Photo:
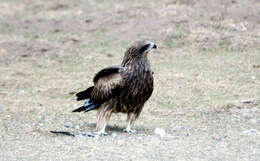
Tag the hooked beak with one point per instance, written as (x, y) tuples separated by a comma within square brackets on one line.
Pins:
[(152, 46), (148, 47)]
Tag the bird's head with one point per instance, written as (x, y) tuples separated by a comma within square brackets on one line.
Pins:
[(140, 48)]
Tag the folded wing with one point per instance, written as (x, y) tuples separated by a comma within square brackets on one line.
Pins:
[(108, 83)]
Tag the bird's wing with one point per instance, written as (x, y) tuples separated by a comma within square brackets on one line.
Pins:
[(108, 83)]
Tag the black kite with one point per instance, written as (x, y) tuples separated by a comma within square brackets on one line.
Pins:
[(122, 88)]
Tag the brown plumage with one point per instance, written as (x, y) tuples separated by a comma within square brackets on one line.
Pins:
[(122, 88)]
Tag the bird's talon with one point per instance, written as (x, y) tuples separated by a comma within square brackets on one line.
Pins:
[(129, 131), (101, 134), (104, 134)]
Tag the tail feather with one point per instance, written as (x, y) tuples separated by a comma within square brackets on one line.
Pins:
[(88, 106), (82, 108), (84, 94), (91, 108)]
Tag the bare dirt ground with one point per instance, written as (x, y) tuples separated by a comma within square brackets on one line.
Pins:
[(207, 78)]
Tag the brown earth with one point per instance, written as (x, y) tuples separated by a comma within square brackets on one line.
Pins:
[(207, 78)]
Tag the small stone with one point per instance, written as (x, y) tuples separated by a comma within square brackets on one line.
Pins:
[(114, 134), (72, 93), (88, 20), (68, 124), (12, 125), (1, 107), (109, 55), (175, 128), (249, 131), (77, 127), (90, 134), (143, 135), (254, 153), (253, 121), (204, 129), (80, 135), (161, 132)]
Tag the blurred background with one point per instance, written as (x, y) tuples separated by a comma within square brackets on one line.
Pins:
[(207, 78)]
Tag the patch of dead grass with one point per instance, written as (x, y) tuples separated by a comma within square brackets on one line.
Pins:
[(207, 59)]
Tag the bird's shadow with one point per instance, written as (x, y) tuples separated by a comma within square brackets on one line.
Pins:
[(63, 133), (109, 128), (120, 129), (91, 129)]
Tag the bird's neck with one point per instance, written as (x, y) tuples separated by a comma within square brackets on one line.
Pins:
[(138, 65), (135, 61)]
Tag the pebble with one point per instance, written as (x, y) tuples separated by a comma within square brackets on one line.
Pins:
[(175, 128), (88, 134), (12, 125), (41, 124), (249, 131), (1, 107), (79, 135), (41, 119), (204, 129), (68, 124), (114, 134), (77, 127), (253, 121), (159, 131)]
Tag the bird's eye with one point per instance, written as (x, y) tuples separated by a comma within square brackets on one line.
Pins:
[(145, 47)]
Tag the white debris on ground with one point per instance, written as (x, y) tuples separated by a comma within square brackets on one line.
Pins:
[(250, 131), (114, 134), (204, 128), (175, 128), (159, 131), (68, 125), (83, 134), (77, 127)]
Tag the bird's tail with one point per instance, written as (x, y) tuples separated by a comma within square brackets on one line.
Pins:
[(84, 94), (88, 106)]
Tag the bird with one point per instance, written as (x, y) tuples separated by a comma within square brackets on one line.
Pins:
[(121, 89)]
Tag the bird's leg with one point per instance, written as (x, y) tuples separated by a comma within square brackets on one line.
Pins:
[(128, 128), (102, 131), (103, 118), (131, 117)]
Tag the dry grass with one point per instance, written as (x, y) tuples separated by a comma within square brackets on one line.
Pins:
[(208, 59)]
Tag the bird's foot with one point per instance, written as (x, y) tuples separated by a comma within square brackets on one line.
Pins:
[(100, 134), (129, 131)]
